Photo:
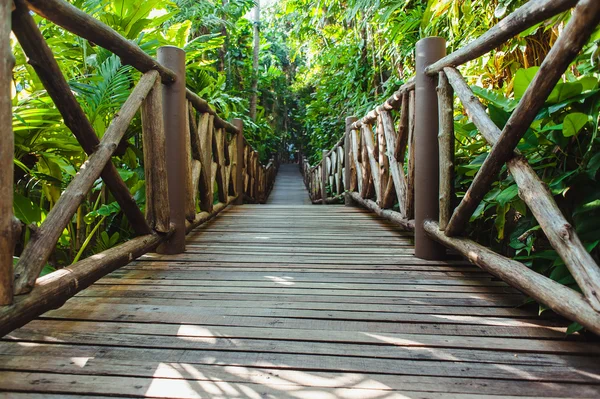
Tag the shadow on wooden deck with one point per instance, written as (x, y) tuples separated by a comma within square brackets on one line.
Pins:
[(288, 300)]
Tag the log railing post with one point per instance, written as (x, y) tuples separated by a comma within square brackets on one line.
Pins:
[(155, 161), (175, 119), (446, 143), (239, 168), (428, 51), (6, 157), (324, 178)]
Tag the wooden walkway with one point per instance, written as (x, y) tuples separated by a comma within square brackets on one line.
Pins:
[(290, 301)]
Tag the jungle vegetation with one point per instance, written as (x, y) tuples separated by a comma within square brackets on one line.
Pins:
[(319, 61)]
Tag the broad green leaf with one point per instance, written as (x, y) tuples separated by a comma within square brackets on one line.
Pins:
[(508, 194), (573, 123), (522, 79), (497, 99), (593, 166), (25, 210), (564, 91)]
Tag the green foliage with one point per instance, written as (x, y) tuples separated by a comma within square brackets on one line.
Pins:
[(47, 156), (354, 53), (320, 61)]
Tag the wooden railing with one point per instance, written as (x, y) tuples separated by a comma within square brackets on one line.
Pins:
[(188, 151), (409, 171)]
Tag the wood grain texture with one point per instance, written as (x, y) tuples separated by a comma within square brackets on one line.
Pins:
[(535, 193), (41, 245), (7, 62), (40, 57), (288, 300), (521, 19), (367, 134), (155, 162), (446, 145), (585, 18)]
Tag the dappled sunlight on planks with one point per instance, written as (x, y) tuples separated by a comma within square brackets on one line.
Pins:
[(298, 302)]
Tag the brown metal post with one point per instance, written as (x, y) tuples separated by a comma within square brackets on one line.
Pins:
[(6, 157), (347, 157), (175, 119), (428, 51), (239, 172), (324, 177)]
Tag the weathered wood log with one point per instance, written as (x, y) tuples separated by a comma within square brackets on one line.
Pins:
[(446, 143), (389, 195), (7, 62), (365, 167), (262, 184), (390, 215), (175, 119), (246, 171), (396, 169), (402, 141), (538, 198), (52, 290), (194, 139), (561, 299), (367, 133), (329, 201), (204, 217), (410, 185), (521, 19), (255, 172), (40, 57), (355, 158), (219, 156), (340, 171), (332, 168), (204, 108), (155, 163), (205, 133), (239, 162), (42, 243), (324, 178), (190, 193), (584, 21), (390, 104), (196, 176), (78, 22), (384, 165)]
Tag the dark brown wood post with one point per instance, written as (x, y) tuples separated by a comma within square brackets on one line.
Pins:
[(239, 168), (7, 62), (428, 51), (347, 157), (324, 178), (175, 120), (158, 213)]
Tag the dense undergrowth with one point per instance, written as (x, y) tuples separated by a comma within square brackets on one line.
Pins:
[(357, 53), (320, 61)]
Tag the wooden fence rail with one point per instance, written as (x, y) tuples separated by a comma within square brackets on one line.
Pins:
[(212, 160), (374, 161)]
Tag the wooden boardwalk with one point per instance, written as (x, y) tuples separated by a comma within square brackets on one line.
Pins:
[(288, 300)]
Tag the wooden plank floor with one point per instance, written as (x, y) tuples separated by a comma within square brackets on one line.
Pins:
[(297, 301)]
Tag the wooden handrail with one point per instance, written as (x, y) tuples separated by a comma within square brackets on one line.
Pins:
[(83, 25), (367, 171), (523, 18), (213, 160), (41, 58)]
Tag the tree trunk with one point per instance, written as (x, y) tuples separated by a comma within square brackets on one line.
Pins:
[(254, 94)]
